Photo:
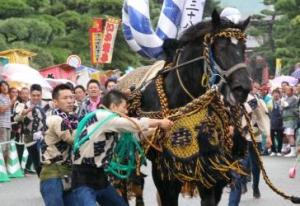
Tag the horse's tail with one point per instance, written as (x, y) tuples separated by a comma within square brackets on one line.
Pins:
[(293, 199)]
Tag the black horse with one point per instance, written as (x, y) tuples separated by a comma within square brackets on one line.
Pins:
[(226, 53)]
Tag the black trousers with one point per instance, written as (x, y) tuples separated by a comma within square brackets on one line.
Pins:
[(254, 165), (34, 154), (20, 151), (278, 135)]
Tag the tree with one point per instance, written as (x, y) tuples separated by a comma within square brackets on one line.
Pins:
[(210, 5), (30, 30), (37, 4), (58, 28), (14, 8), (54, 29), (71, 19), (280, 30)]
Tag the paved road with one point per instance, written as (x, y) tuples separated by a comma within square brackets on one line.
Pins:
[(25, 191)]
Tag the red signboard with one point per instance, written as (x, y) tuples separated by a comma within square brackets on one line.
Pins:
[(109, 36), (96, 36)]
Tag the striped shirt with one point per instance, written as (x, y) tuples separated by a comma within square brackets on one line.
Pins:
[(5, 121), (34, 121), (57, 143), (260, 120), (96, 152)]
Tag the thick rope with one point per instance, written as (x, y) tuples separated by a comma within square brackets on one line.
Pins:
[(128, 153), (293, 199), (180, 80)]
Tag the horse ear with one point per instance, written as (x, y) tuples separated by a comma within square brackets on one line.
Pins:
[(170, 46), (245, 23), (215, 16)]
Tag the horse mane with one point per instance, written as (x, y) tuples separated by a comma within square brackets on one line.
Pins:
[(195, 34), (200, 29), (196, 31)]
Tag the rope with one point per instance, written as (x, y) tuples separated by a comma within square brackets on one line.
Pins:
[(77, 141), (178, 66), (293, 199), (182, 85), (7, 142), (125, 151)]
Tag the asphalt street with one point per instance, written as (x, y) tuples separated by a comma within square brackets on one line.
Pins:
[(25, 191)]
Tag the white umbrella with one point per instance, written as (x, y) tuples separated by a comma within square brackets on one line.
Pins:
[(20, 75), (55, 82), (23, 74), (278, 80)]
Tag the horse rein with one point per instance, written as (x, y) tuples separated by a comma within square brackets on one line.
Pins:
[(223, 74)]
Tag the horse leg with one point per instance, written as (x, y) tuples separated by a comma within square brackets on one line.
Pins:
[(138, 188), (168, 189), (207, 196), (219, 190)]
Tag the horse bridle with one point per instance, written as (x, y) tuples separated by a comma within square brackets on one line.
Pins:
[(210, 64)]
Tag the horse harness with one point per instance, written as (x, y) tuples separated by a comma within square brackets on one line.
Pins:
[(181, 163), (135, 103), (209, 63), (182, 154)]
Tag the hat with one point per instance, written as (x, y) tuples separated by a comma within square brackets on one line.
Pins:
[(231, 14)]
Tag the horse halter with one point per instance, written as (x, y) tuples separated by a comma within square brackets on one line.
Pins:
[(215, 69), (210, 64)]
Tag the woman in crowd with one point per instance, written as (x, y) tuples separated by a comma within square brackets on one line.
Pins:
[(5, 117)]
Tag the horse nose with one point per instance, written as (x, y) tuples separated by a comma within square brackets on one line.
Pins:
[(241, 92)]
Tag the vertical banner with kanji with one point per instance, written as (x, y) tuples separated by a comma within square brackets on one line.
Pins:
[(109, 36), (96, 37), (192, 14)]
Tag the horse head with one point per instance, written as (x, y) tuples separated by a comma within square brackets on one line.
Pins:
[(221, 43)]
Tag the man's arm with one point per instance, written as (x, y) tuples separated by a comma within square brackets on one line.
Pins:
[(21, 112), (121, 124), (4, 108), (62, 132)]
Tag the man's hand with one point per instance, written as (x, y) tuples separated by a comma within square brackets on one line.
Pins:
[(231, 131), (26, 111), (268, 142), (165, 123), (4, 108), (13, 101)]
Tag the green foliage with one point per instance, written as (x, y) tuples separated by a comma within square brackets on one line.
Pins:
[(55, 29), (30, 30), (71, 19), (37, 4), (283, 31), (81, 6), (14, 8), (59, 54), (106, 7), (210, 5), (3, 45), (14, 29), (55, 8)]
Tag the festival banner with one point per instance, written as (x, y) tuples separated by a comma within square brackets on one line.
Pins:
[(96, 37), (278, 67), (109, 36), (191, 15)]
